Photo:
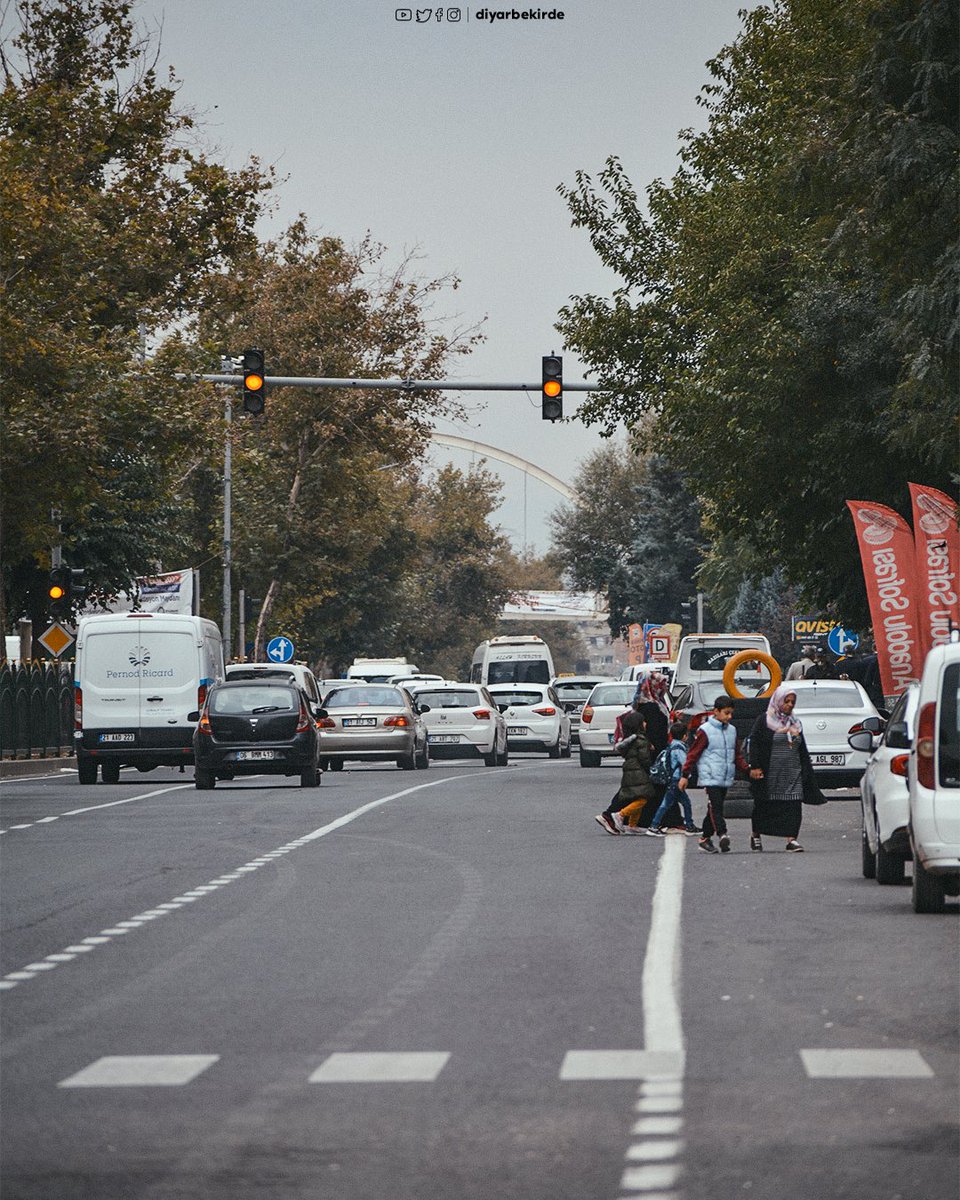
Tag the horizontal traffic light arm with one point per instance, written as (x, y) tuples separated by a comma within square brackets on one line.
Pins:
[(404, 385)]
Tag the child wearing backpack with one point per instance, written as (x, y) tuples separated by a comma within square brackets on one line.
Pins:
[(666, 771)]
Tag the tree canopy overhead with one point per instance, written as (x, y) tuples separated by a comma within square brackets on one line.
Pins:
[(788, 306)]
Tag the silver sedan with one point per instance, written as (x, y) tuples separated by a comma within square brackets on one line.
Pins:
[(372, 722)]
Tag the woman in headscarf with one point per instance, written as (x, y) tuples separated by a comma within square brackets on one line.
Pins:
[(653, 703), (781, 774)]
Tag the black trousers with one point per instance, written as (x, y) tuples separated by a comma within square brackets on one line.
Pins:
[(714, 821)]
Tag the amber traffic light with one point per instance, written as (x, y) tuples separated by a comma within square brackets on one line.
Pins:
[(551, 388), (253, 382)]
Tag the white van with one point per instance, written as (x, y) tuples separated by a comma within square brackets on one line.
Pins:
[(379, 670), (140, 679), (701, 660), (933, 782), (512, 660)]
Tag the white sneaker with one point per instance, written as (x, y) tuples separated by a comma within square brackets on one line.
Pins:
[(618, 821)]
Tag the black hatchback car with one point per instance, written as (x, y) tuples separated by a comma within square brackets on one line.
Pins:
[(256, 727)]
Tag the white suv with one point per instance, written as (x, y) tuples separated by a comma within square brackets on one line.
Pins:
[(933, 779)]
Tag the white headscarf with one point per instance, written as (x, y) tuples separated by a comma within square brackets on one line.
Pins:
[(780, 721)]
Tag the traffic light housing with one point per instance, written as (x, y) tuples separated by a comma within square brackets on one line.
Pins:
[(551, 388), (59, 590), (254, 388)]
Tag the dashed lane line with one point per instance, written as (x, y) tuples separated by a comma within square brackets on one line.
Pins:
[(105, 936), (76, 812)]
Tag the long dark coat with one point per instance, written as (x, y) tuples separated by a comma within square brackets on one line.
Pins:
[(777, 817)]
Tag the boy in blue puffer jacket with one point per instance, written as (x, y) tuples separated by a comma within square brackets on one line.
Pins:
[(717, 753), (677, 753)]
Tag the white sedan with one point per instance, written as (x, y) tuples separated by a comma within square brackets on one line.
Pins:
[(830, 710), (462, 721), (884, 834), (597, 721), (535, 718)]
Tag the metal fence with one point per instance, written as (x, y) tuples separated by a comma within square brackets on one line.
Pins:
[(36, 709)]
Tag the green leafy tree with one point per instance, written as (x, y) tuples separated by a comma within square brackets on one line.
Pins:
[(112, 223), (785, 330)]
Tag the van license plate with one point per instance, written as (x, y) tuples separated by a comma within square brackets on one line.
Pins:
[(828, 760), (249, 755), (118, 737)]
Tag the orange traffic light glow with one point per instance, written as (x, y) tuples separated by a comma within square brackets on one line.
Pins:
[(552, 388), (56, 592), (253, 383)]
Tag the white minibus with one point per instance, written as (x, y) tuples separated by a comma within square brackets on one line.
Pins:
[(525, 659)]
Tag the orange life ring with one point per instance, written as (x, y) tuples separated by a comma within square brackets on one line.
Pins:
[(730, 671)]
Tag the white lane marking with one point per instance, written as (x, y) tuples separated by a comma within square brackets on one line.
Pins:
[(662, 1022), (661, 1126), (865, 1064), (654, 1151), (398, 1067), (614, 1064), (76, 812), (105, 935), (141, 1070), (659, 1104), (652, 1175)]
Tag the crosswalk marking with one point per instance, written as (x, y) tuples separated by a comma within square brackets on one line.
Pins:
[(616, 1064), (400, 1067), (141, 1070), (865, 1064)]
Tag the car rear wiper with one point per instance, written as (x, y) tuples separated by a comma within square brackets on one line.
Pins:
[(269, 708)]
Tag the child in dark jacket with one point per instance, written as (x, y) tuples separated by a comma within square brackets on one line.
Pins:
[(623, 813)]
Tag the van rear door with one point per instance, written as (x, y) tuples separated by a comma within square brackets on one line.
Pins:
[(111, 677)]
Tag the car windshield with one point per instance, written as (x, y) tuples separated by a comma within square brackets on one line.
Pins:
[(521, 671), (265, 698), (465, 699), (365, 697), (574, 691), (620, 694), (517, 696), (828, 697)]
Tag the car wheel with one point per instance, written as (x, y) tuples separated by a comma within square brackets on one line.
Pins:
[(87, 770), (110, 772), (868, 861), (423, 758), (927, 890), (505, 756), (406, 762), (589, 758), (205, 780), (889, 866), (554, 751), (567, 751), (491, 759), (226, 775), (310, 777), (336, 764)]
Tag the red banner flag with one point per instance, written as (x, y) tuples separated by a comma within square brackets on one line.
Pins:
[(936, 538), (890, 573)]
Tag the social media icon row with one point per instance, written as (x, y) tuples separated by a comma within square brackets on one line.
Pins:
[(428, 14)]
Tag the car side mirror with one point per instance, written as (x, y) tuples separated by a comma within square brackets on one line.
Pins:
[(422, 708), (873, 724), (194, 716), (861, 740), (501, 708), (898, 736)]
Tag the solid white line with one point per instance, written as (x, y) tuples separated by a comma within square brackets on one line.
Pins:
[(662, 1023)]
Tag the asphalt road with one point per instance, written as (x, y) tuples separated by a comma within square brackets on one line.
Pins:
[(451, 984)]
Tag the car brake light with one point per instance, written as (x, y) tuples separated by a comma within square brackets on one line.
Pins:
[(898, 765), (547, 711), (204, 725), (326, 723), (201, 695), (587, 715), (77, 708), (482, 714), (926, 728), (303, 724), (399, 721)]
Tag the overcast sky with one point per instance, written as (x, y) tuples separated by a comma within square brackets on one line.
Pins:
[(450, 138)]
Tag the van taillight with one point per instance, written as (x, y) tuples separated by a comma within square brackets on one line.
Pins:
[(77, 707), (926, 744), (201, 695)]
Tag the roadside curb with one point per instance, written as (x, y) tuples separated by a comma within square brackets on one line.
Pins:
[(20, 768)]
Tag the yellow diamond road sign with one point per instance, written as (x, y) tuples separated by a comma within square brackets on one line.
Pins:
[(55, 639)]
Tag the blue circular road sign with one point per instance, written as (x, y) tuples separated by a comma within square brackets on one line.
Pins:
[(280, 649), (842, 641)]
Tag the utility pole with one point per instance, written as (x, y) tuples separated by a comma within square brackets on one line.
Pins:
[(699, 612), (226, 364)]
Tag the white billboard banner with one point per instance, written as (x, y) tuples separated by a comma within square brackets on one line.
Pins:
[(173, 592), (557, 606)]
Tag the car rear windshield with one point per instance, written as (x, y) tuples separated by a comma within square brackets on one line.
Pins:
[(448, 699), (521, 671), (365, 697), (518, 696), (574, 691), (949, 747), (712, 658), (829, 697), (614, 694), (252, 699)]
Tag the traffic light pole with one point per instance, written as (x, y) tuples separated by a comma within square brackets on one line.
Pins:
[(403, 385), (227, 513)]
